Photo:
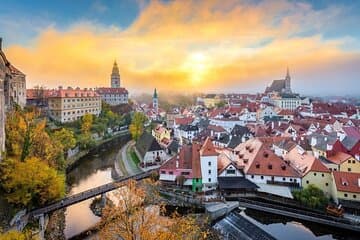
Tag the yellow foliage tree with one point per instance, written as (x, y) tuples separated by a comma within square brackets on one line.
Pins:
[(31, 183), (136, 127), (86, 124), (131, 219), (15, 235)]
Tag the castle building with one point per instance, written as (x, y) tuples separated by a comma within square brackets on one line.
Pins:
[(155, 102), (67, 105), (114, 95), (12, 91)]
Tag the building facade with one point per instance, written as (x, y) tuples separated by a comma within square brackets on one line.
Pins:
[(12, 91), (67, 105), (114, 96)]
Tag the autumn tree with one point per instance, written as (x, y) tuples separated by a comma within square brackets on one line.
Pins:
[(137, 125), (65, 138), (31, 183), (129, 218), (86, 123), (15, 235)]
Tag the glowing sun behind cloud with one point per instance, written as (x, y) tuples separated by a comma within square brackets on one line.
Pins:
[(197, 65)]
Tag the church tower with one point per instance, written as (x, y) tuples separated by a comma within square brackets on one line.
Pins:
[(115, 76), (287, 81), (155, 102)]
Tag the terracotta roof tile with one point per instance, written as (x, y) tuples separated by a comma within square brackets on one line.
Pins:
[(347, 181)]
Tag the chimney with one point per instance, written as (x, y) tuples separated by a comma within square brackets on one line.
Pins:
[(0, 43)]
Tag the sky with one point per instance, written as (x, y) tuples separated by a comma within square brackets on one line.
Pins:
[(186, 46)]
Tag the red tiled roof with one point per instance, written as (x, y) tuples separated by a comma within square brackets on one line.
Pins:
[(258, 159), (216, 128), (347, 181), (184, 120), (208, 148), (70, 93), (318, 166), (339, 157), (352, 132)]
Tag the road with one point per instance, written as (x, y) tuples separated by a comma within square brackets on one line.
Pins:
[(129, 164)]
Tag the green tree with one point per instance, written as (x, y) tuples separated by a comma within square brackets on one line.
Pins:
[(311, 196), (220, 104), (65, 138), (86, 123), (31, 183), (137, 125)]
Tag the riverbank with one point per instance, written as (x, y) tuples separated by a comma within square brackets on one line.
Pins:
[(72, 161)]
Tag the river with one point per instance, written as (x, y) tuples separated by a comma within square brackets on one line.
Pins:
[(97, 168)]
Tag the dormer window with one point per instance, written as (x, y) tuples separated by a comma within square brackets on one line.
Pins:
[(257, 165), (266, 154), (283, 166), (246, 160), (270, 166)]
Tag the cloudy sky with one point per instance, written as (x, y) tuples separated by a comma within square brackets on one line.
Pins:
[(212, 46)]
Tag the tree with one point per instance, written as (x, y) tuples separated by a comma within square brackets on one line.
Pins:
[(31, 183), (15, 235), (65, 138), (86, 123), (311, 196), (132, 219), (220, 104), (137, 125)]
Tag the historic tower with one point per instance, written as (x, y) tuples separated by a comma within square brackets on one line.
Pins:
[(287, 81), (115, 76), (155, 102)]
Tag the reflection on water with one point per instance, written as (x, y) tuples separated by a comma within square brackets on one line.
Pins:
[(92, 171), (287, 228)]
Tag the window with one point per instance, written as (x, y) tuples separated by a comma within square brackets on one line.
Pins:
[(171, 172), (262, 177), (307, 182), (323, 175), (209, 171), (185, 173), (326, 184), (354, 196), (163, 172), (252, 176), (349, 161), (349, 169), (283, 179), (209, 179), (209, 163), (345, 194), (230, 171), (314, 174)]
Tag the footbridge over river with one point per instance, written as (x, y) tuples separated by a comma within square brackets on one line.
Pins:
[(79, 197)]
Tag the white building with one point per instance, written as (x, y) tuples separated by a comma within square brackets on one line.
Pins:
[(67, 105), (208, 163), (114, 96)]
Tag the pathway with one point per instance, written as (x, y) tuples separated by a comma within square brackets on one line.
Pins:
[(129, 164)]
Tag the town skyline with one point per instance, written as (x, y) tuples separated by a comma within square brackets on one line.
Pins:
[(239, 46)]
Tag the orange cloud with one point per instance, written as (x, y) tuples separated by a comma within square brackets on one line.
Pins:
[(184, 46)]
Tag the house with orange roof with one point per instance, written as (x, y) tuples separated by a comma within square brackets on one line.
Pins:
[(263, 166), (345, 187), (311, 169), (340, 161), (161, 134), (195, 166)]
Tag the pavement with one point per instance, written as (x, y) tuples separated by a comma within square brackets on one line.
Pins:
[(129, 164)]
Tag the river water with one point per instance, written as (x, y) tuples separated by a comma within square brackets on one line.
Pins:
[(97, 168)]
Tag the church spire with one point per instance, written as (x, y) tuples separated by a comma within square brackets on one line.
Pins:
[(287, 72)]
